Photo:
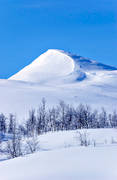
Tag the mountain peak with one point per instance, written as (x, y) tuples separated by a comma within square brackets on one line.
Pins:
[(50, 65), (59, 65)]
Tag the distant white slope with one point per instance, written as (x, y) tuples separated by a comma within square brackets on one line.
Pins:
[(19, 97), (58, 66), (62, 158), (50, 65)]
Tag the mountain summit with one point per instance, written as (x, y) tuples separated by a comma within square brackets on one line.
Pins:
[(51, 64), (59, 65)]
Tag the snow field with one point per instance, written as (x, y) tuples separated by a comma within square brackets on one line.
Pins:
[(62, 158)]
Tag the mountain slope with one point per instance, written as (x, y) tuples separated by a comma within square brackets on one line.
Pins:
[(50, 65), (59, 65), (57, 75)]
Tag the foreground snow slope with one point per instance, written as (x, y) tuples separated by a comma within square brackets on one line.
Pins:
[(65, 164), (57, 75), (61, 157)]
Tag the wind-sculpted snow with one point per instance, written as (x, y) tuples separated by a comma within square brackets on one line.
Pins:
[(88, 64)]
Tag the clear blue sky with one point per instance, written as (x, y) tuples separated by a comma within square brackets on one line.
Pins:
[(30, 27)]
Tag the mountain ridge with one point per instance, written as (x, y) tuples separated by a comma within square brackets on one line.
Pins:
[(58, 64)]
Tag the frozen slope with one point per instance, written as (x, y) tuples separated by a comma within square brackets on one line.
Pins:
[(57, 75)]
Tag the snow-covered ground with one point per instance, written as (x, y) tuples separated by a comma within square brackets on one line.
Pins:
[(62, 157)]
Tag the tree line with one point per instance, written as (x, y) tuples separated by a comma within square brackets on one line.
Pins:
[(61, 117)]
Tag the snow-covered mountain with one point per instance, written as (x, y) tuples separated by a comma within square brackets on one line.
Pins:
[(59, 65), (57, 75)]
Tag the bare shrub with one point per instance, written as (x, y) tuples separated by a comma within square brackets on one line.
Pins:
[(32, 144), (82, 138)]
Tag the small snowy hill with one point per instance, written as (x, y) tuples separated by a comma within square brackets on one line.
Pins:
[(57, 75)]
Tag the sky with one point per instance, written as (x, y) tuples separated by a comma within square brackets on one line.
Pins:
[(30, 27)]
